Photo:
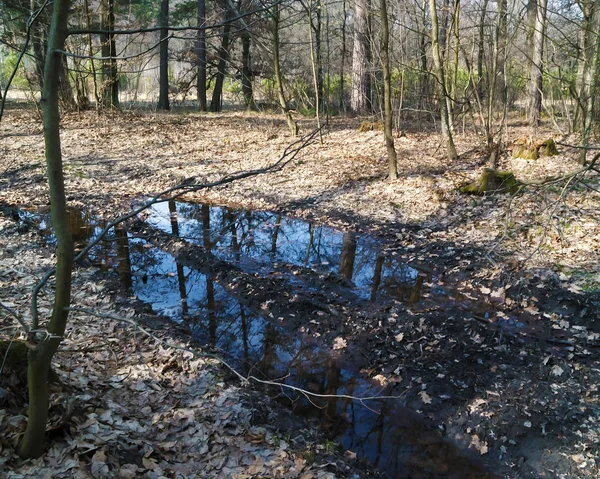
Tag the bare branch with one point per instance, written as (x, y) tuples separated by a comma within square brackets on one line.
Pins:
[(187, 186)]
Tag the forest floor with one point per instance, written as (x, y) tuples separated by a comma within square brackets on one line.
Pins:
[(505, 366)]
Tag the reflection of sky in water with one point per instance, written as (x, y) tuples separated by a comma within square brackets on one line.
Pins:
[(261, 347), (248, 237)]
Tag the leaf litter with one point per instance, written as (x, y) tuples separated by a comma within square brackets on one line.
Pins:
[(536, 411)]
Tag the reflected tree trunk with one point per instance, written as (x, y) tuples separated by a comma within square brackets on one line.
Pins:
[(245, 339), (210, 285), (235, 245), (348, 255), (275, 235), (123, 254), (180, 270), (377, 277)]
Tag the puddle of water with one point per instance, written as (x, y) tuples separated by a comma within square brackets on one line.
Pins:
[(392, 438), (263, 241)]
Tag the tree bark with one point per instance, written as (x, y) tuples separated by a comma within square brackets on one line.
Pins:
[(361, 89), (216, 103), (163, 95), (247, 75), (441, 83), (201, 56), (535, 82), (278, 75), (110, 79), (40, 355), (387, 92)]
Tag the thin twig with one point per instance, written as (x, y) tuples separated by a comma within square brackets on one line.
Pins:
[(187, 186), (241, 377)]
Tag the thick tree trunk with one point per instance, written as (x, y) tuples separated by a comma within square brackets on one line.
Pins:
[(216, 103), (163, 95), (201, 56), (535, 82), (110, 78), (40, 355), (387, 92), (360, 94), (441, 83), (247, 75)]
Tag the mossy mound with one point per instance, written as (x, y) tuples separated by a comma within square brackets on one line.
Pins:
[(370, 126), (529, 149), (492, 181), (547, 148)]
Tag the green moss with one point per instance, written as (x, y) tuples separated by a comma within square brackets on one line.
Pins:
[(492, 181), (525, 152), (370, 126), (547, 148)]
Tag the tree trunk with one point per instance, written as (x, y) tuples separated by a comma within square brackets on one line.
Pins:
[(216, 103), (590, 82), (441, 83), (201, 55), (387, 92), (535, 83), (481, 51), (361, 92), (348, 255), (247, 75), (163, 95), (342, 98), (65, 90), (278, 76), (40, 355), (110, 79), (314, 33)]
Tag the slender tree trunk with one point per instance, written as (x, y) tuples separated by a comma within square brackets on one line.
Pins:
[(46, 345), (441, 83), (163, 95), (216, 103), (201, 55), (88, 22), (278, 75), (535, 83), (360, 94), (481, 51), (591, 83), (65, 90), (342, 99), (502, 35), (387, 92), (315, 63)]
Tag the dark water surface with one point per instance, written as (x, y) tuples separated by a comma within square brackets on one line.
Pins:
[(391, 437)]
